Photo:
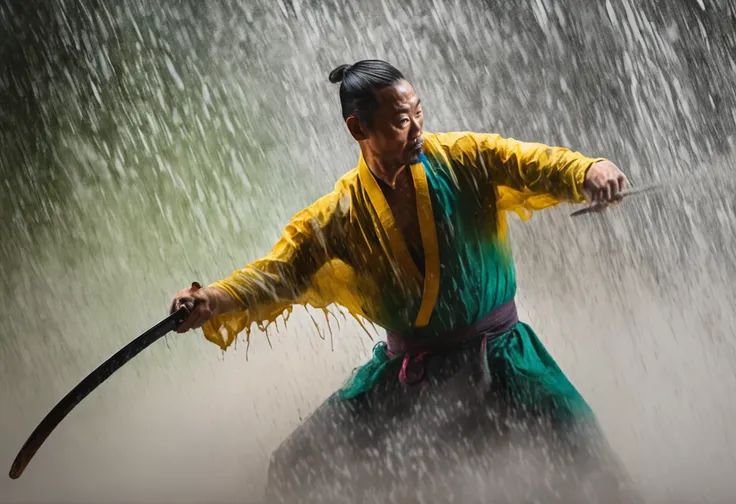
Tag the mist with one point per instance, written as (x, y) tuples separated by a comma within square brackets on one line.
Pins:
[(144, 146)]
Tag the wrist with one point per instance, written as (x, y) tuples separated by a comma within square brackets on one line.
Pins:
[(219, 301), (588, 185), (208, 297)]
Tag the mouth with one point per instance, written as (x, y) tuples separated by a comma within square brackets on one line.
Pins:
[(416, 146)]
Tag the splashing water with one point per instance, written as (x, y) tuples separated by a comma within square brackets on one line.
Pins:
[(144, 146)]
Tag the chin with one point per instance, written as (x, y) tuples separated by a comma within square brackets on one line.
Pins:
[(415, 156)]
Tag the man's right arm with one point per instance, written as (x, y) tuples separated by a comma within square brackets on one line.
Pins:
[(263, 289)]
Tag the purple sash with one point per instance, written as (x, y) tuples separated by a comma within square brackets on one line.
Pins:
[(496, 322)]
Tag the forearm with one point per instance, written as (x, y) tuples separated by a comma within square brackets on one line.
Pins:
[(265, 282), (263, 289), (538, 168), (222, 300)]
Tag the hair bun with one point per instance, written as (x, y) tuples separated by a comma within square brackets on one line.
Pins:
[(338, 73)]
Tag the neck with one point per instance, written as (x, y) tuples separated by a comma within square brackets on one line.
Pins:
[(385, 172)]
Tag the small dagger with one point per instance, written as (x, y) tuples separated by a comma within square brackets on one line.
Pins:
[(597, 207)]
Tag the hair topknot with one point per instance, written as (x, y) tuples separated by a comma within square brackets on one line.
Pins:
[(338, 74), (359, 83)]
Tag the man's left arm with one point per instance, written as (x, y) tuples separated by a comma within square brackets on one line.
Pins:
[(540, 169)]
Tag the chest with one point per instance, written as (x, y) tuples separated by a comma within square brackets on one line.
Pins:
[(402, 201)]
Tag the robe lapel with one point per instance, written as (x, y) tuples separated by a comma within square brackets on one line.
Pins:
[(397, 244)]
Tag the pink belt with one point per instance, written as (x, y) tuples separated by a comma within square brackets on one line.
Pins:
[(498, 321)]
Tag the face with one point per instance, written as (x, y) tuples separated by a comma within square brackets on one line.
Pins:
[(395, 136)]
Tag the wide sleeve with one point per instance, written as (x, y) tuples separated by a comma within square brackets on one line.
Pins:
[(527, 176), (272, 284)]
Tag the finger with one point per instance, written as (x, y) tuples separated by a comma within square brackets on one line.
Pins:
[(197, 319), (200, 317), (184, 326), (622, 182), (187, 324), (607, 191), (601, 196), (178, 302), (614, 189), (188, 303)]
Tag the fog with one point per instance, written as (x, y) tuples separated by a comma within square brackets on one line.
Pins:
[(144, 146)]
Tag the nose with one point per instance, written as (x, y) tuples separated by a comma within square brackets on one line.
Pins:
[(416, 130)]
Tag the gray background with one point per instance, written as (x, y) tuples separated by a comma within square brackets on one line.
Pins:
[(148, 144)]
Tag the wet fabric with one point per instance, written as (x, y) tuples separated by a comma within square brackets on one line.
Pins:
[(413, 351), (529, 437), (531, 377), (346, 250)]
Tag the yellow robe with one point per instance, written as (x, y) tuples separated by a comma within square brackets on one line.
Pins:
[(345, 249)]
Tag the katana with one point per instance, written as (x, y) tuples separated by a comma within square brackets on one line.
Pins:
[(91, 382)]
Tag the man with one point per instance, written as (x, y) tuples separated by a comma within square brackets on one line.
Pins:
[(414, 239)]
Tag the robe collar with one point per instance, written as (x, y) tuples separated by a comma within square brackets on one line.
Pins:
[(397, 243)]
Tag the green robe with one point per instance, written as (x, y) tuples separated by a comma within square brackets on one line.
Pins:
[(347, 250)]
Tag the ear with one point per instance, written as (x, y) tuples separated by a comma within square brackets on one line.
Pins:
[(356, 128)]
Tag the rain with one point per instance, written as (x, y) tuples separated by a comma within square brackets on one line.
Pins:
[(146, 145)]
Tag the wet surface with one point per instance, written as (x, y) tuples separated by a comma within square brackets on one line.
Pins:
[(144, 146)]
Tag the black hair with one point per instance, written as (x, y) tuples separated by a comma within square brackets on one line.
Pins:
[(358, 83)]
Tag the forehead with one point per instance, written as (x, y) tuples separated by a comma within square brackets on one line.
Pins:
[(397, 97)]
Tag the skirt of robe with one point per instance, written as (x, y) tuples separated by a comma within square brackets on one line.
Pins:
[(525, 435)]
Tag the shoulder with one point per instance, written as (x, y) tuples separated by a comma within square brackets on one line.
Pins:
[(464, 148), (347, 182), (460, 143), (333, 204)]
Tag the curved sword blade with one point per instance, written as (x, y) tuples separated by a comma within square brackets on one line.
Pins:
[(88, 384)]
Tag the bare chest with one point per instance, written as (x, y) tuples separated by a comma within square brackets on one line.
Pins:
[(403, 203)]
